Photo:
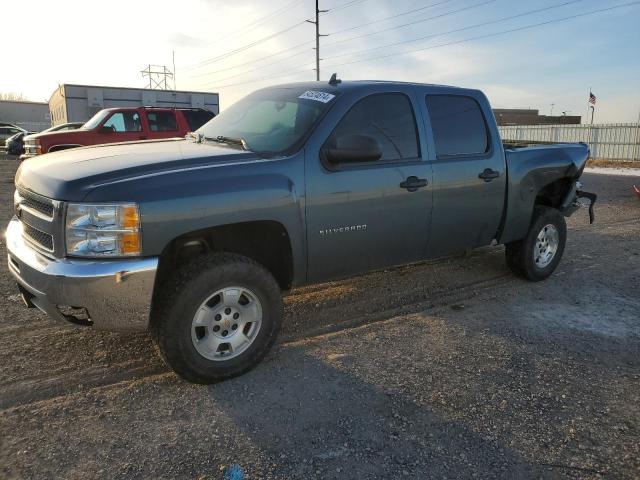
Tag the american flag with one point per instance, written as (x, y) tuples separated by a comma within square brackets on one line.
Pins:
[(592, 98)]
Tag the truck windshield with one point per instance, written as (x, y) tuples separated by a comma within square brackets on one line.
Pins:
[(273, 121), (94, 121)]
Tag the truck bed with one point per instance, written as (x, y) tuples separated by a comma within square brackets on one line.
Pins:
[(531, 168), (515, 144)]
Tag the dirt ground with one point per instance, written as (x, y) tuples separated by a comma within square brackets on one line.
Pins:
[(449, 369)]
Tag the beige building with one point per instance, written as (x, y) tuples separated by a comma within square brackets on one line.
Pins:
[(78, 103)]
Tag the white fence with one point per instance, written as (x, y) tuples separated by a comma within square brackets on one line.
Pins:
[(615, 141)]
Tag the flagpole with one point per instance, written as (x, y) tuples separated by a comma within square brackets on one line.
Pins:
[(586, 118)]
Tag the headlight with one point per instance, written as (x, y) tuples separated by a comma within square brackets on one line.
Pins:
[(103, 230)]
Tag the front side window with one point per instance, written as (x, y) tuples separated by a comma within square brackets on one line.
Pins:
[(272, 121), (388, 118), (162, 121), (94, 121), (124, 122), (458, 125)]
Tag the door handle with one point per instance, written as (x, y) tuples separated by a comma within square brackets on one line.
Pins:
[(413, 183), (143, 137), (487, 175)]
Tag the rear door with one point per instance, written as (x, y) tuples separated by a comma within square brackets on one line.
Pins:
[(469, 173), (162, 123), (363, 216)]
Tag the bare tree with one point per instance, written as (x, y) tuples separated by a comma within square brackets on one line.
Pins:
[(17, 97)]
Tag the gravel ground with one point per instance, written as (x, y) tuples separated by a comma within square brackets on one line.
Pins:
[(447, 369)]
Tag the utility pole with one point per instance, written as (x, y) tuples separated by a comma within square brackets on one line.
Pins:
[(318, 35), (173, 58), (157, 78), (552, 105)]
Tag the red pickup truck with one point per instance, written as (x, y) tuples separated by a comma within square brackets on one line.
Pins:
[(113, 125)]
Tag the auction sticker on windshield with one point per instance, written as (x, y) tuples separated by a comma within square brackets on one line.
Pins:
[(323, 97)]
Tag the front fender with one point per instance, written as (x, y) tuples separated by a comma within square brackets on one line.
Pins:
[(172, 205)]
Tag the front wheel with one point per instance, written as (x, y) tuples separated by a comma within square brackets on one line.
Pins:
[(537, 255), (217, 318)]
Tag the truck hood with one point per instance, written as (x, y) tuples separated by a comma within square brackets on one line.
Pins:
[(72, 174), (54, 138)]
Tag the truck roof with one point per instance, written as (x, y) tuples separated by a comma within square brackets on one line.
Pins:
[(155, 107), (360, 84)]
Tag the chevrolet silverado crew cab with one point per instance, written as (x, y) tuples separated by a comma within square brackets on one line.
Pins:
[(113, 125), (195, 239)]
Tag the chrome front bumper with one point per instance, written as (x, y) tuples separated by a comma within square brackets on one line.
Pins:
[(115, 293)]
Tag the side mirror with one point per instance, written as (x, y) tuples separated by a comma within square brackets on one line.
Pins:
[(353, 149), (104, 129)]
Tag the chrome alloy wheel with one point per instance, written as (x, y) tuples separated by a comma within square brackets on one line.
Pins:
[(546, 246), (226, 323)]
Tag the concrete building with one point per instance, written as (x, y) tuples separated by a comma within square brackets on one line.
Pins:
[(78, 103), (32, 116), (527, 116)]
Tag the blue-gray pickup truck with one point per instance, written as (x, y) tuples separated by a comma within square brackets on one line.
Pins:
[(195, 239)]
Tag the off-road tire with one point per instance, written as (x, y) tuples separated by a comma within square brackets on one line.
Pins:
[(183, 293), (520, 254)]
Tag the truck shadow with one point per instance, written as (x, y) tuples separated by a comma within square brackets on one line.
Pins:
[(314, 420)]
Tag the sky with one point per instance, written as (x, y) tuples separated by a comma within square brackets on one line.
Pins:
[(236, 47)]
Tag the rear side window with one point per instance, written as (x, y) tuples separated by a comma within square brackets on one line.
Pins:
[(388, 118), (197, 118), (458, 125), (162, 121)]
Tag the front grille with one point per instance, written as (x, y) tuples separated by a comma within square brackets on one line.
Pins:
[(35, 202), (40, 238)]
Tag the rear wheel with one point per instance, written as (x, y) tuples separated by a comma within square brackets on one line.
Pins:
[(217, 318), (536, 256)]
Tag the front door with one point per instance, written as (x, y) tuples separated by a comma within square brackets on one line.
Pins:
[(125, 126), (363, 216)]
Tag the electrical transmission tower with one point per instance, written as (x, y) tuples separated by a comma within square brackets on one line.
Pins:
[(158, 75), (318, 35)]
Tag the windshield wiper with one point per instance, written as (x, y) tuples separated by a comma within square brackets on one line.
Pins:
[(231, 141)]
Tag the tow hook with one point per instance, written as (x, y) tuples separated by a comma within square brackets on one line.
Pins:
[(592, 200)]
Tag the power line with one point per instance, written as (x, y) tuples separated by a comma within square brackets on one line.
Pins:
[(248, 46), (434, 35), (343, 6), (261, 20), (469, 7), (260, 60), (285, 74), (495, 34), (248, 26), (344, 30), (258, 21), (348, 4), (391, 17), (466, 40), (259, 67)]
